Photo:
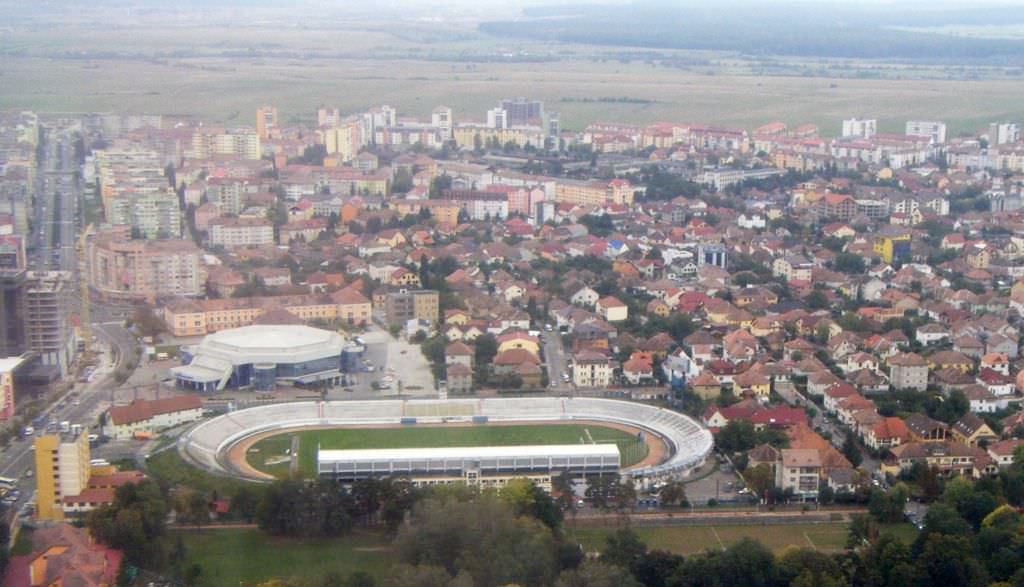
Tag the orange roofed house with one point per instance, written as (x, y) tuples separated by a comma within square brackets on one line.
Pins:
[(64, 556)]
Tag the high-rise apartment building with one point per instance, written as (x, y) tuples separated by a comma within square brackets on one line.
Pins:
[(934, 131), (860, 128), (119, 268), (497, 118), (62, 470), (442, 118), (7, 367), (266, 122), (522, 111), (12, 295), (208, 141), (1002, 133), (48, 330)]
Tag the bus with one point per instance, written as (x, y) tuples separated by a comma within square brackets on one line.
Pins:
[(8, 483)]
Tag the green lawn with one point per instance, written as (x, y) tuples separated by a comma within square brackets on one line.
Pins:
[(168, 466), (430, 437), (244, 556), (827, 537)]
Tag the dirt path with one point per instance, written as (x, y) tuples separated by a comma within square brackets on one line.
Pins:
[(657, 450)]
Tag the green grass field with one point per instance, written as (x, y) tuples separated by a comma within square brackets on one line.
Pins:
[(230, 556), (246, 556), (828, 537), (431, 437)]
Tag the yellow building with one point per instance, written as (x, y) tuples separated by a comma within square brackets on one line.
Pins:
[(443, 211), (62, 469), (470, 137), (342, 140), (892, 248), (266, 122), (616, 191)]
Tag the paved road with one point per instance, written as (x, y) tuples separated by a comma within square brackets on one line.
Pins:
[(554, 356), (17, 460)]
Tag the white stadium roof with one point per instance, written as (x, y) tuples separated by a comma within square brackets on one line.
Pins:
[(470, 452), (270, 344)]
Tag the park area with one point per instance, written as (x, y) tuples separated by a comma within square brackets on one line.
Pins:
[(271, 455), (234, 556), (226, 555)]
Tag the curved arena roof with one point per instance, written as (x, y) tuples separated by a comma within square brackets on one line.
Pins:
[(689, 443), (271, 343)]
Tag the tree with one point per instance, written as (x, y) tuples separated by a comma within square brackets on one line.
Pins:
[(134, 523), (594, 573), (851, 451), (672, 493), (292, 508), (849, 263), (623, 548), (759, 479), (816, 300), (948, 560), (485, 349), (656, 567), (244, 503), (882, 560), (736, 436), (805, 566), (481, 537)]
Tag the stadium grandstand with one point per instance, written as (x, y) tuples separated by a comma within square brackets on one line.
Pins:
[(688, 443)]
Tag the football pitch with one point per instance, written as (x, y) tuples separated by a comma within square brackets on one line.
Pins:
[(270, 454)]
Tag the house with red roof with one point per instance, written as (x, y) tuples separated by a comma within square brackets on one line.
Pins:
[(64, 556), (151, 415)]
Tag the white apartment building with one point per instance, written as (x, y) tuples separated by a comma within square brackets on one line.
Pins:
[(864, 128), (932, 130), (241, 232)]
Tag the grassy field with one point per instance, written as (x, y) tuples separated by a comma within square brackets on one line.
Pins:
[(193, 76), (428, 437), (246, 556), (685, 540), (168, 466), (230, 556)]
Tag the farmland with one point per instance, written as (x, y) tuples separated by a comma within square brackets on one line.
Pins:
[(177, 70)]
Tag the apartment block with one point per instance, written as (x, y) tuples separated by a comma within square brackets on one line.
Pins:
[(860, 128), (241, 232), (12, 295), (616, 191), (48, 329), (240, 142), (7, 367), (62, 470), (402, 306), (266, 122), (931, 130), (119, 268)]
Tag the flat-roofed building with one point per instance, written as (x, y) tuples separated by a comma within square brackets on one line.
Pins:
[(119, 268), (485, 466)]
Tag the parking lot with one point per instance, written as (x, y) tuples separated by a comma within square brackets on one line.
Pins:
[(722, 485)]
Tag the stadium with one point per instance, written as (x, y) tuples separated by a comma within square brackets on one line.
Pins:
[(679, 444), (260, 357)]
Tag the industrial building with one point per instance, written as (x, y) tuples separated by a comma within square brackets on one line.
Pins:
[(486, 466), (260, 357)]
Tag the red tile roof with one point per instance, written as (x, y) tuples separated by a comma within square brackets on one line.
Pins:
[(141, 410)]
